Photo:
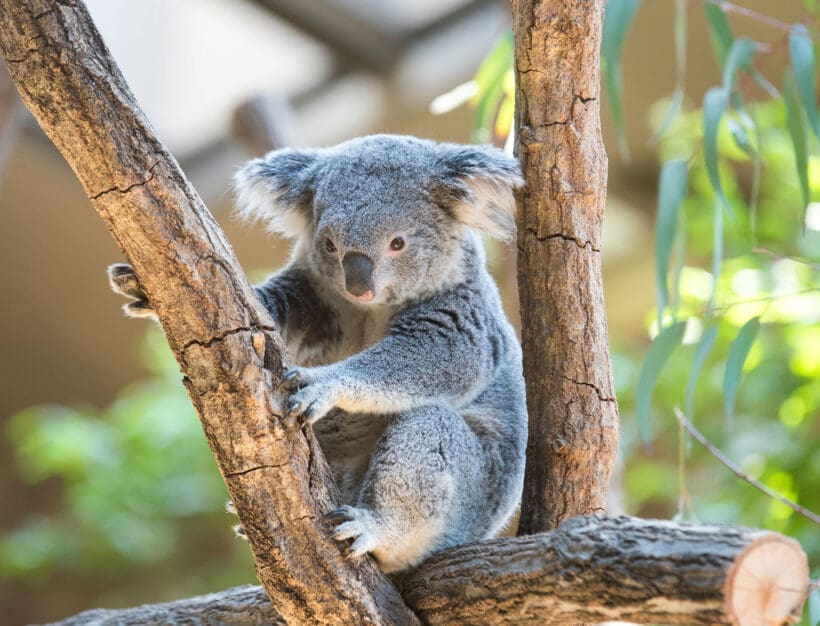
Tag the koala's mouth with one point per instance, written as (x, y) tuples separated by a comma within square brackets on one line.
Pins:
[(364, 298)]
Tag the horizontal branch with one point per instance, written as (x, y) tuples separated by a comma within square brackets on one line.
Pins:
[(590, 569)]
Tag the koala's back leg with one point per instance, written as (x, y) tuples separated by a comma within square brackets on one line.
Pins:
[(415, 497)]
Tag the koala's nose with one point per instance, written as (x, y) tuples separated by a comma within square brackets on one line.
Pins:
[(358, 275)]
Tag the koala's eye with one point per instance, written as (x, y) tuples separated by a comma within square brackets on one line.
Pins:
[(397, 243), (330, 246)]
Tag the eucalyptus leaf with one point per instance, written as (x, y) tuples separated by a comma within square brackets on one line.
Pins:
[(676, 103), (740, 136), (659, 352), (671, 191), (707, 341), (719, 31), (618, 18), (739, 57), (714, 106), (801, 50), (738, 352), (796, 121)]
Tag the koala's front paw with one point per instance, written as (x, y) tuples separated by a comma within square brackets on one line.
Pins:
[(124, 281), (313, 393)]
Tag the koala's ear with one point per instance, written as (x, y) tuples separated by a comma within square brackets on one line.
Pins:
[(475, 184), (277, 188)]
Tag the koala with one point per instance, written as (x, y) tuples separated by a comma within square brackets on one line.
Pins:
[(407, 367)]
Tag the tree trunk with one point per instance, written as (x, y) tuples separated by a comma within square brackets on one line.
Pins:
[(592, 569), (231, 357), (573, 434)]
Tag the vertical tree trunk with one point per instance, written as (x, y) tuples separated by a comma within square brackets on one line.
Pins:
[(231, 357), (570, 397)]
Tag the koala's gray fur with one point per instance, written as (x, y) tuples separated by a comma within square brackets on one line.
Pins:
[(408, 368)]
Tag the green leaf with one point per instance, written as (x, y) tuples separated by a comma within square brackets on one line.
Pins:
[(801, 50), (739, 57), (738, 352), (796, 121), (495, 64), (659, 352), (719, 31), (814, 607), (617, 20), (717, 250), (740, 136), (671, 191), (675, 104), (707, 341), (714, 106), (490, 86)]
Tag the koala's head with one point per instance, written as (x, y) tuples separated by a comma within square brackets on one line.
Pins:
[(381, 219)]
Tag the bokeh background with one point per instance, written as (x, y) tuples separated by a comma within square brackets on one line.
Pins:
[(109, 494)]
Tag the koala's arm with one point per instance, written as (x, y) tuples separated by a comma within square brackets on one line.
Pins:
[(442, 351), (290, 298)]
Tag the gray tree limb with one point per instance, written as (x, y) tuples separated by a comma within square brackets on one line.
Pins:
[(589, 569)]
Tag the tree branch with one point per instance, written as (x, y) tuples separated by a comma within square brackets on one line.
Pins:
[(591, 569), (231, 359), (730, 465)]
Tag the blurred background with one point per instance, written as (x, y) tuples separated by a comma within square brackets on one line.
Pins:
[(110, 495)]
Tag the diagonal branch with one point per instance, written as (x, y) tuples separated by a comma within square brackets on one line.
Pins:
[(221, 337)]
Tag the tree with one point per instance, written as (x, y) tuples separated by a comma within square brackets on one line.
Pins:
[(233, 359)]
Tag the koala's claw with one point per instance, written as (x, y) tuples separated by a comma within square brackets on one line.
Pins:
[(138, 308), (124, 281), (292, 380), (342, 514), (357, 524), (294, 411)]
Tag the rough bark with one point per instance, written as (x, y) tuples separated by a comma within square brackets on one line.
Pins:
[(570, 396), (239, 606), (229, 353), (592, 569), (10, 116)]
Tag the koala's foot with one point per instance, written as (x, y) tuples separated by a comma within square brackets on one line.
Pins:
[(124, 281), (237, 528), (357, 524)]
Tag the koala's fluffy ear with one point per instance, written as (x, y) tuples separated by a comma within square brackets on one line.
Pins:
[(277, 188), (475, 184)]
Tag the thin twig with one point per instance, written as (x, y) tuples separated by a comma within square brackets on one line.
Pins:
[(740, 473), (729, 7), (778, 256), (770, 298)]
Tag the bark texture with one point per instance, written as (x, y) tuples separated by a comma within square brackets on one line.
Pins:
[(573, 415), (229, 353), (591, 569)]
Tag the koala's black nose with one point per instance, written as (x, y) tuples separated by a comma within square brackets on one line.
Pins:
[(358, 274)]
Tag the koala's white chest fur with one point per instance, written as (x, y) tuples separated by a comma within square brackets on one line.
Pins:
[(358, 329), (361, 328)]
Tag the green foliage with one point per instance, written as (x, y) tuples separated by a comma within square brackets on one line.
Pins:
[(659, 353), (671, 191), (617, 20), (738, 352), (140, 491)]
